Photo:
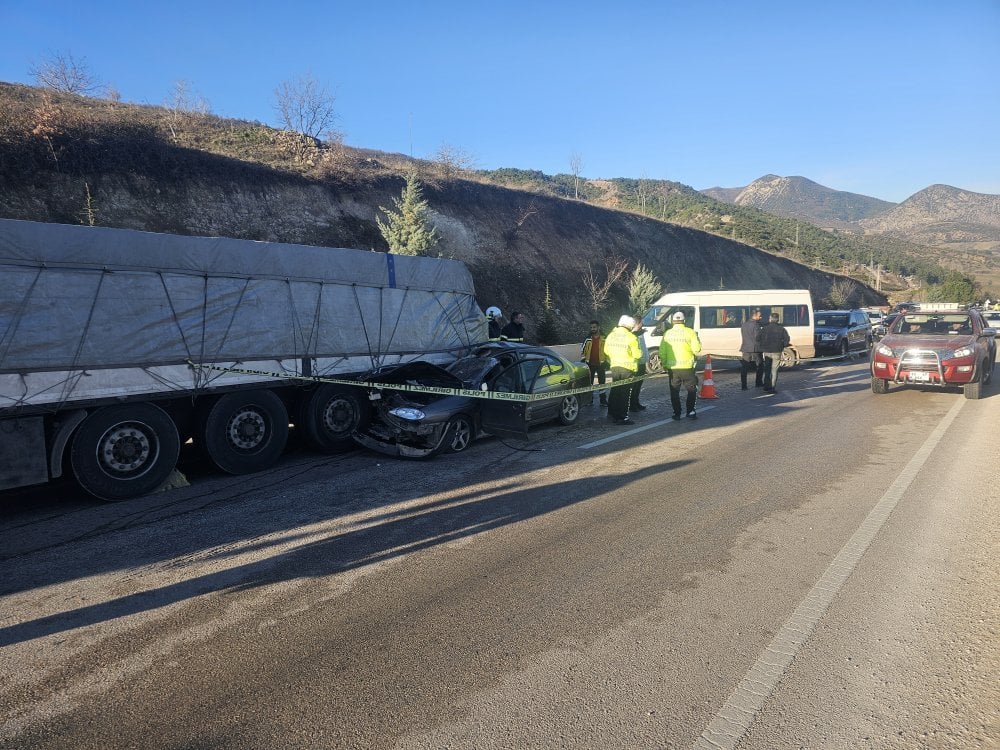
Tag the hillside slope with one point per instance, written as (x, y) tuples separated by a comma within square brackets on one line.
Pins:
[(78, 161)]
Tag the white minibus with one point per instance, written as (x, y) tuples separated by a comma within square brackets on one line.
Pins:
[(718, 315)]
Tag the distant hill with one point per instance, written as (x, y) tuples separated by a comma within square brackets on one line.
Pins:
[(800, 198), (941, 215)]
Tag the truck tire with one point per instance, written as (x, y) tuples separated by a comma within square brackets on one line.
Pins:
[(653, 364), (124, 451), (880, 385), (331, 414), (245, 431)]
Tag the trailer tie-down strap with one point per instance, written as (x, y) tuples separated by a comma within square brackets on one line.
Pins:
[(440, 390)]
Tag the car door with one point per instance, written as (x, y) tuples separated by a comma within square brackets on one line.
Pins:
[(501, 416), (542, 376)]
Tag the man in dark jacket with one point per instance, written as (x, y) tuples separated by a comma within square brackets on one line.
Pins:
[(773, 340), (750, 350), (514, 331)]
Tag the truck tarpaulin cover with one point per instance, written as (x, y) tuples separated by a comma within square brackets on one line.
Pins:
[(92, 297)]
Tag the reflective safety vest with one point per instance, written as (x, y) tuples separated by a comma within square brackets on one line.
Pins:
[(678, 347), (621, 347)]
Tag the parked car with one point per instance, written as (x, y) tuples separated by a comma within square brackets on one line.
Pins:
[(842, 331), (992, 318), (878, 331), (416, 424), (940, 348)]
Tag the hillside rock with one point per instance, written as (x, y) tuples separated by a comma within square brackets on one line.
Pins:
[(801, 198), (942, 215)]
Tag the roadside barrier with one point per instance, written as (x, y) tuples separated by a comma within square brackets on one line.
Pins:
[(707, 384)]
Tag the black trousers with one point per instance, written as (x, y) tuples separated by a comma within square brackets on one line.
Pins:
[(633, 401), (683, 378), (746, 359), (618, 401)]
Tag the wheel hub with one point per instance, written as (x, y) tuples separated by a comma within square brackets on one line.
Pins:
[(124, 448)]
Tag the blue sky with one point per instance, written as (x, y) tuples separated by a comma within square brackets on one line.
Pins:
[(879, 97)]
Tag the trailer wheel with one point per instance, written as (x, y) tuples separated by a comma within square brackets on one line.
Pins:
[(331, 414), (124, 451), (245, 431)]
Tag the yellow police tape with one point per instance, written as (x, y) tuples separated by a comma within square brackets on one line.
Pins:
[(442, 390)]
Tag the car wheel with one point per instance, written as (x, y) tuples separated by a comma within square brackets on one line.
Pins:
[(458, 434), (569, 410), (974, 389), (653, 364), (880, 385), (789, 358)]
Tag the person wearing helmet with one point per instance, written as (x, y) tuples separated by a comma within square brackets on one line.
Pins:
[(678, 349), (622, 349), (493, 316)]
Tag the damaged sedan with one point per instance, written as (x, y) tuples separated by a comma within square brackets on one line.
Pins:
[(435, 419)]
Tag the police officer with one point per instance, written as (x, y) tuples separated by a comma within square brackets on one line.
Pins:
[(678, 349), (621, 347)]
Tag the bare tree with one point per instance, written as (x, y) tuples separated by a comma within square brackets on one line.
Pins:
[(523, 214), (453, 159), (64, 73), (306, 106), (842, 292), (576, 166), (600, 288), (184, 100)]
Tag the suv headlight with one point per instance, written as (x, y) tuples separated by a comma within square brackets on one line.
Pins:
[(965, 351), (885, 351), (407, 412)]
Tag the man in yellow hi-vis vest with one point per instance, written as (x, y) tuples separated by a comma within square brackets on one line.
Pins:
[(678, 350), (621, 347)]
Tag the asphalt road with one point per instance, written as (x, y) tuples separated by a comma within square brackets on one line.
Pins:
[(814, 569)]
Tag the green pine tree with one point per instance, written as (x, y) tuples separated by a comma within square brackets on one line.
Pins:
[(406, 229), (643, 290), (548, 332)]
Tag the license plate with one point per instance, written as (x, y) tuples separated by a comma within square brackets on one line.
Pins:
[(919, 377)]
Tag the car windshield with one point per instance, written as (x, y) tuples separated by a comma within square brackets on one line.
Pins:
[(831, 321), (472, 370), (923, 325)]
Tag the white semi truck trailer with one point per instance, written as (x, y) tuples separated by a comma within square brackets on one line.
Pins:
[(116, 346)]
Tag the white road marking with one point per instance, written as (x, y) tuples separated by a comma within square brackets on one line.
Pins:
[(737, 714), (643, 428)]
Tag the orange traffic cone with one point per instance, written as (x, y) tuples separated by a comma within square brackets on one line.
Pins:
[(707, 384)]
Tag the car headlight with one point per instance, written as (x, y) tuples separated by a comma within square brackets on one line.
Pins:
[(407, 412), (885, 351), (965, 351)]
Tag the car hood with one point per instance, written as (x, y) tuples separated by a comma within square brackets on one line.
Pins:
[(413, 373), (937, 342), (830, 329)]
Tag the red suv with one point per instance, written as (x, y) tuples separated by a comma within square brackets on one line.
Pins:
[(936, 347)]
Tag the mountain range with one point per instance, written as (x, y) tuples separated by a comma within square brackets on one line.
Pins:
[(963, 225)]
